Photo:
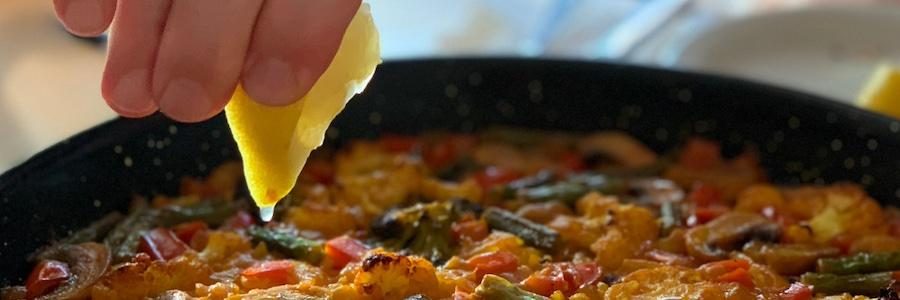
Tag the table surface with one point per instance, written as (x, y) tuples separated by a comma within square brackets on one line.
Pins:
[(49, 81)]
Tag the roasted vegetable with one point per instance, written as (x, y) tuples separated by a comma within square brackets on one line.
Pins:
[(212, 211), (860, 263), (533, 234), (288, 243), (124, 238), (788, 259), (496, 288), (541, 178), (96, 231), (86, 262), (855, 284), (422, 229), (713, 240)]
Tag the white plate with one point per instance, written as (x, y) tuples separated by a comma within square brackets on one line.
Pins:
[(829, 51)]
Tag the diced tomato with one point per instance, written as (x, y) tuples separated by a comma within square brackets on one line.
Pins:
[(186, 231), (704, 195), (731, 270), (439, 155), (398, 143), (702, 215), (161, 244), (843, 241), (241, 219), (46, 277), (343, 250), (472, 230), (740, 276), (493, 176), (272, 273), (700, 154), (564, 276), (572, 161), (319, 171), (797, 291), (493, 263), (728, 264)]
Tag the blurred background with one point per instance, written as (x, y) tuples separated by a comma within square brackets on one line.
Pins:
[(49, 80)]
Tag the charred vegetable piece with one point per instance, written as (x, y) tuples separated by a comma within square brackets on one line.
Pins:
[(288, 243), (86, 262), (856, 284), (124, 238), (541, 178), (789, 259), (422, 229), (212, 211), (562, 191), (497, 288), (860, 263), (599, 182), (533, 234), (713, 241), (96, 231)]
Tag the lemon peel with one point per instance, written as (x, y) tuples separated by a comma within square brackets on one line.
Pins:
[(882, 92), (275, 142)]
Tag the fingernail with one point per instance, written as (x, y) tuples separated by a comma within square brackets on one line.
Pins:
[(271, 81), (185, 100), (84, 17), (130, 97)]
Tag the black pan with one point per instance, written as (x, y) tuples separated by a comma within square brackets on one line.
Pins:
[(801, 138)]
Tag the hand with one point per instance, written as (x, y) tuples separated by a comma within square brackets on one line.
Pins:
[(185, 57)]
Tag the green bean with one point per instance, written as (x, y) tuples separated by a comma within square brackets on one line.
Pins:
[(533, 234), (860, 263), (211, 211), (562, 191), (97, 230), (496, 288), (856, 284), (290, 244)]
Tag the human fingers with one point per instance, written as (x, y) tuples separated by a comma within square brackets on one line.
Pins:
[(126, 82), (200, 56), (293, 43), (85, 18)]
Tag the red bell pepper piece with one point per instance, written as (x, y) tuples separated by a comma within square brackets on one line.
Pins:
[(240, 220), (472, 230), (161, 244), (704, 195), (45, 277), (186, 231), (493, 176), (797, 291), (564, 276), (343, 250), (493, 263), (276, 272)]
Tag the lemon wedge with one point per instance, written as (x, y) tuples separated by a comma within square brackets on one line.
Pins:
[(276, 141), (882, 91)]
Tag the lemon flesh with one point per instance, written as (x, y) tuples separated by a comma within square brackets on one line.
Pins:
[(276, 141), (882, 91)]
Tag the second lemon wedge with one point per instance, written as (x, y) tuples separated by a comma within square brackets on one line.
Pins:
[(276, 141)]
